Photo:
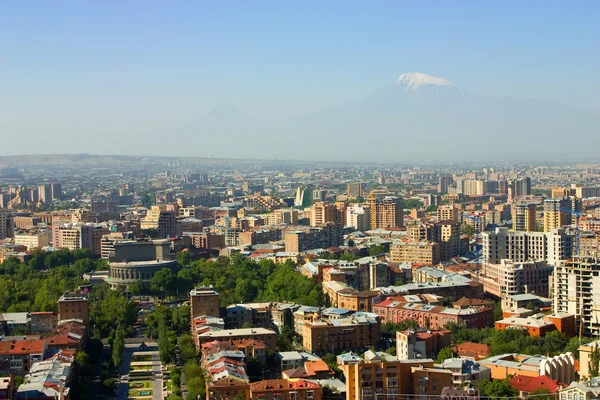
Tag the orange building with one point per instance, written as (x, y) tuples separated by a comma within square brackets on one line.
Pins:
[(537, 325)]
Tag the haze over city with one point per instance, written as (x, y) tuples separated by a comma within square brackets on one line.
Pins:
[(118, 78)]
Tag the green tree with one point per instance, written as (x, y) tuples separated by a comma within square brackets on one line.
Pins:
[(543, 394), (187, 349), (137, 288), (118, 346), (376, 250), (163, 280), (184, 258), (444, 354), (166, 344), (413, 203), (498, 388), (467, 229)]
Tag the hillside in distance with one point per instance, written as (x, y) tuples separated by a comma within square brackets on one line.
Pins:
[(416, 118)]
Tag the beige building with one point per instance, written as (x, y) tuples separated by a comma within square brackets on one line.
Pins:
[(354, 190), (415, 252), (356, 332), (387, 212), (161, 219), (448, 213), (33, 240), (322, 213), (509, 278), (523, 217), (380, 375), (554, 216)]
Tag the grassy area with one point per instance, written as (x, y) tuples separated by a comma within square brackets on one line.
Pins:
[(170, 386), (140, 367), (140, 385), (141, 358)]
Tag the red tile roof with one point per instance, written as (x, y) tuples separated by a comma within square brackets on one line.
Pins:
[(529, 384), (473, 350), (22, 347)]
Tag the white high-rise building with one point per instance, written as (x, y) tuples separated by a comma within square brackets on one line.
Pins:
[(359, 217), (577, 291), (518, 246)]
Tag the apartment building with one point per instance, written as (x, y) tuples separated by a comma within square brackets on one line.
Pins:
[(523, 217), (448, 213), (413, 344), (359, 216), (161, 219), (322, 213), (435, 317), (17, 356), (387, 212), (33, 240), (552, 246), (509, 278), (447, 235), (260, 236), (415, 252), (379, 375), (75, 236), (328, 235), (577, 291), (356, 332), (555, 215), (6, 224)]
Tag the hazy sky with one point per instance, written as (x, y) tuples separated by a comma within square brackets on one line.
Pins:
[(86, 67)]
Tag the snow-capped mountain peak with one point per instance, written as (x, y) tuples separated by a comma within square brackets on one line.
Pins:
[(415, 80)]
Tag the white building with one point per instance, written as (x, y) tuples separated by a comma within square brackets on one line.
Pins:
[(577, 291), (33, 240), (359, 217), (519, 246)]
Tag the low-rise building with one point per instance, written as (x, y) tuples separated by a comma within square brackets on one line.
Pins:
[(540, 324), (17, 356), (267, 336), (560, 368), (466, 372), (411, 344)]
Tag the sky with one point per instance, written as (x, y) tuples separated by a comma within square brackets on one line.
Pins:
[(73, 69)]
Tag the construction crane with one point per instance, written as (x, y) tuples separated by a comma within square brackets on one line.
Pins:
[(577, 215), (477, 221)]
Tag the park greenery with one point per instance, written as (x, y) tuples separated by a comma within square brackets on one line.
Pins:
[(238, 280), (38, 284)]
